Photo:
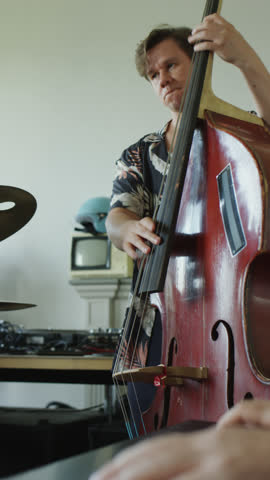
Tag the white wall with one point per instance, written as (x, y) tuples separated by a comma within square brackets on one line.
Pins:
[(70, 101)]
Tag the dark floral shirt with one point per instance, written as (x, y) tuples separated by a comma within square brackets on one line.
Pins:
[(136, 186), (139, 174)]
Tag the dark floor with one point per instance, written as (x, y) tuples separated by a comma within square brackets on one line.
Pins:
[(34, 437)]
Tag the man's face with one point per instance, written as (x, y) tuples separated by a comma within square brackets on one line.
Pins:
[(167, 71)]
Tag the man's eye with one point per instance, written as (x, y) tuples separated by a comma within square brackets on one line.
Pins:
[(170, 66), (153, 76)]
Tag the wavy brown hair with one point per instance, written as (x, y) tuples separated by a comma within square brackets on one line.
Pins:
[(157, 35)]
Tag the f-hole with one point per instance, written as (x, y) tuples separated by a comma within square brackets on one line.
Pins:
[(231, 357), (167, 390)]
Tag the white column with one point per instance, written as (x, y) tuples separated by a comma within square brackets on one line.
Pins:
[(120, 303), (100, 298)]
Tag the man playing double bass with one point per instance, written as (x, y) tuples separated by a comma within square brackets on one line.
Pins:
[(166, 66), (163, 58)]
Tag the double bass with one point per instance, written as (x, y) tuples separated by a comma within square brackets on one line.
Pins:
[(209, 279)]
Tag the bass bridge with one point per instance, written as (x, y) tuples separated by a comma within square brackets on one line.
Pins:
[(162, 375)]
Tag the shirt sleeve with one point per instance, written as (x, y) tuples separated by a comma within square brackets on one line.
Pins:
[(129, 190)]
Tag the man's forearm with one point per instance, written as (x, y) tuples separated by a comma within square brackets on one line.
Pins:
[(258, 80), (116, 222)]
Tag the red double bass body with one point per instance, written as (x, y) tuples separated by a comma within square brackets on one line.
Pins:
[(215, 306)]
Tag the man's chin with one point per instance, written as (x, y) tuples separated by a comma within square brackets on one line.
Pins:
[(173, 101), (174, 107), (173, 104)]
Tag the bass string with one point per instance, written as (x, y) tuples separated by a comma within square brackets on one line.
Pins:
[(181, 138), (143, 263), (185, 124), (196, 71), (127, 328), (125, 346), (126, 339), (196, 68), (159, 199)]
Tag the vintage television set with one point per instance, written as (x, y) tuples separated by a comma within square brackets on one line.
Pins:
[(94, 256)]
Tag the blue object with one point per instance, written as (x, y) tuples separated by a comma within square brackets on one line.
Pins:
[(92, 214)]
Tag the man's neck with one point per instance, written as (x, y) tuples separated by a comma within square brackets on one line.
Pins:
[(169, 136)]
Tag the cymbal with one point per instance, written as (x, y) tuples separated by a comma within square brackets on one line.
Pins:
[(14, 218), (8, 306)]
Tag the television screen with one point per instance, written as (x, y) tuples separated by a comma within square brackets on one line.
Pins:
[(94, 256), (90, 253)]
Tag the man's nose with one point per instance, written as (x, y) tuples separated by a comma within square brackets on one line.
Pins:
[(164, 79)]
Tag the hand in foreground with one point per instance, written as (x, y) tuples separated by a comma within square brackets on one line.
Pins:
[(249, 413), (223, 454), (219, 36)]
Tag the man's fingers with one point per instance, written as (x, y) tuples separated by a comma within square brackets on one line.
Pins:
[(149, 460), (249, 412), (145, 231)]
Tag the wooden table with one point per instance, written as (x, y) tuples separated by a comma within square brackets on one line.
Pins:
[(92, 369)]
